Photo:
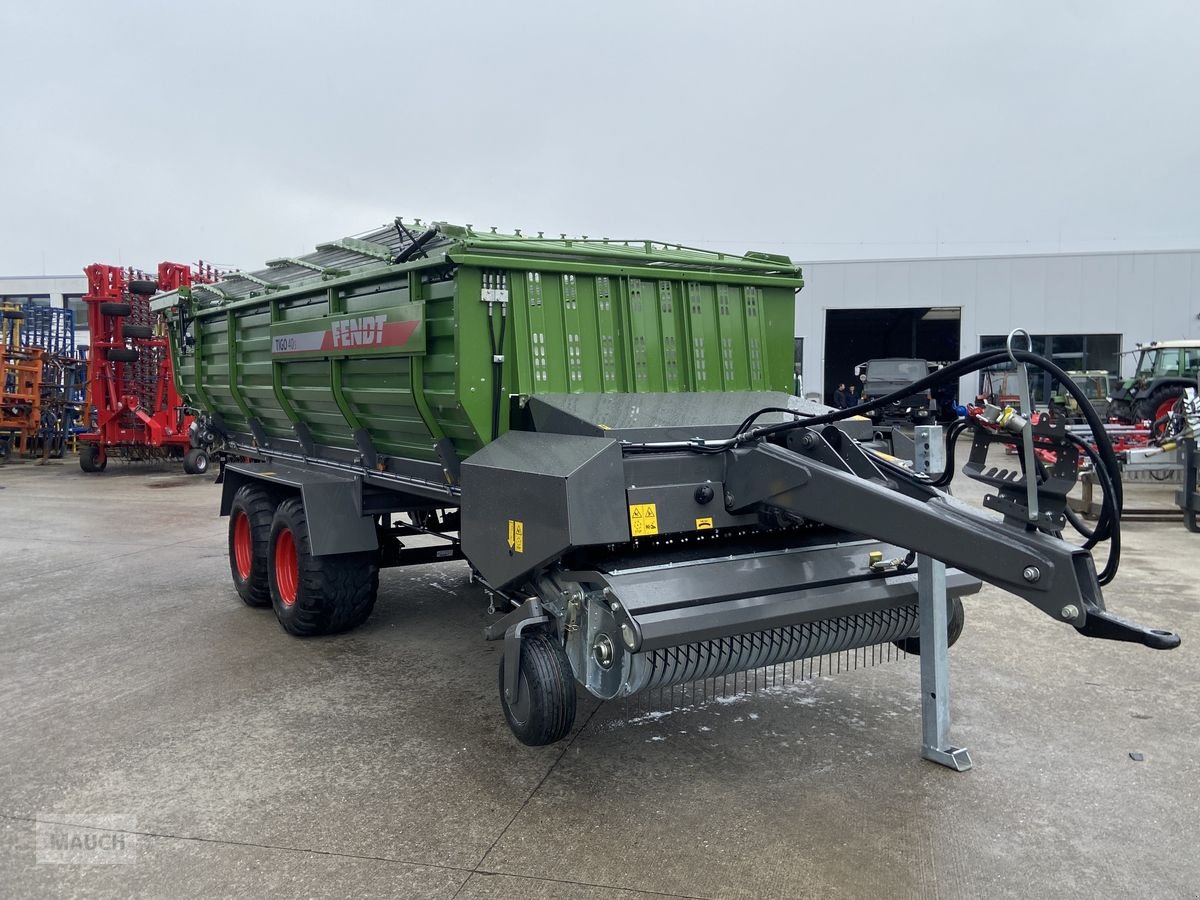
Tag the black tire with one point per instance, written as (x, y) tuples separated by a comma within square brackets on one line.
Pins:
[(954, 628), (545, 707), (115, 309), (250, 517), (195, 462), (13, 314), (1121, 410), (145, 287), (122, 354), (92, 458), (329, 594), (137, 332)]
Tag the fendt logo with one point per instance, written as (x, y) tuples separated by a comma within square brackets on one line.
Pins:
[(362, 332), (369, 334)]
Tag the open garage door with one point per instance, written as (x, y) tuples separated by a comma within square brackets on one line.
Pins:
[(853, 336)]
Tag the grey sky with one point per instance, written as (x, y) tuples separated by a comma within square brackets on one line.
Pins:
[(237, 131)]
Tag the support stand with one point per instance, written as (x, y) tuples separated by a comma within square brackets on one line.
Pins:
[(929, 458)]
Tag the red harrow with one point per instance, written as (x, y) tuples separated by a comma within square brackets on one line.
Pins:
[(131, 382)]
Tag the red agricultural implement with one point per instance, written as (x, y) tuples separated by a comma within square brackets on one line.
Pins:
[(131, 383)]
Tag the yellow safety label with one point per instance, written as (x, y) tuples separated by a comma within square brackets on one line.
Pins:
[(516, 536), (643, 519), (703, 523)]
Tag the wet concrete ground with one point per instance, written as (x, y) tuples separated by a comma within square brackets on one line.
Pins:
[(377, 764)]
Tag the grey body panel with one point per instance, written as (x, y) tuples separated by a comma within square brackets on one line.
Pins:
[(666, 417), (332, 503), (563, 490)]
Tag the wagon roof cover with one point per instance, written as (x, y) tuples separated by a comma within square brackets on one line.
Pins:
[(376, 250)]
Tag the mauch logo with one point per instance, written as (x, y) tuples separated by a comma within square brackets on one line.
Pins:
[(365, 331), (87, 841)]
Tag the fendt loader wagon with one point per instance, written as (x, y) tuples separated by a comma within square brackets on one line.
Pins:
[(605, 431)]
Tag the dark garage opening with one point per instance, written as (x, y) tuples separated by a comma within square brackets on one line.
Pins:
[(853, 336)]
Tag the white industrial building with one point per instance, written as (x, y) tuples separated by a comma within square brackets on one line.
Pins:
[(1084, 310)]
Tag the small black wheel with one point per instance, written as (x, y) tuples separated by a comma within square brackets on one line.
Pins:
[(14, 314), (954, 629), (92, 458), (250, 517), (115, 309), (316, 594), (137, 332), (122, 354), (545, 707), (145, 287), (195, 462)]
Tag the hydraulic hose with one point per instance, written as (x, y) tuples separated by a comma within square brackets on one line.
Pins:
[(952, 434)]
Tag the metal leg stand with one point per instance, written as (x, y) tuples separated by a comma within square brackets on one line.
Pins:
[(929, 458), (935, 668)]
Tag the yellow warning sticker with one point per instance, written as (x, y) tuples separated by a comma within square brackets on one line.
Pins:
[(516, 536), (643, 519), (705, 522)]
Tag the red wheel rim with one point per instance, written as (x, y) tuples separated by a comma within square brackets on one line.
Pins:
[(243, 545), (287, 570), (1159, 426)]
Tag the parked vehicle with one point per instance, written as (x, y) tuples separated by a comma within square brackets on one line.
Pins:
[(881, 377), (1096, 384), (1165, 369)]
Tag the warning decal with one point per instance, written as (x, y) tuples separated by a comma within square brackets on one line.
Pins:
[(703, 523), (516, 536), (643, 519)]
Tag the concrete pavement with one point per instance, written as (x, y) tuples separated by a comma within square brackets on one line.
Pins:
[(377, 764)]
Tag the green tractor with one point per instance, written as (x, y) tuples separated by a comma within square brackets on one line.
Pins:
[(1165, 369)]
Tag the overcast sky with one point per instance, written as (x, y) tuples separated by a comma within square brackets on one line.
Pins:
[(237, 131)]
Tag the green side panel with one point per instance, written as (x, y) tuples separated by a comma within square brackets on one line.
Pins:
[(731, 326), (252, 346), (646, 337), (212, 358), (378, 390), (778, 310), (610, 348)]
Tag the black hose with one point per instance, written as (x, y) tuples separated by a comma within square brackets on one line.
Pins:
[(498, 372), (954, 370), (496, 367), (952, 434), (1102, 455), (1108, 524)]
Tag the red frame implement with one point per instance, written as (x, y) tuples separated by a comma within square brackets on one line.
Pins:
[(139, 413)]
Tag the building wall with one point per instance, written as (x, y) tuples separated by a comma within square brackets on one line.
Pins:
[(1142, 296)]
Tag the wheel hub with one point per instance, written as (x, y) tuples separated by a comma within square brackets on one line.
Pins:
[(243, 545), (287, 569)]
